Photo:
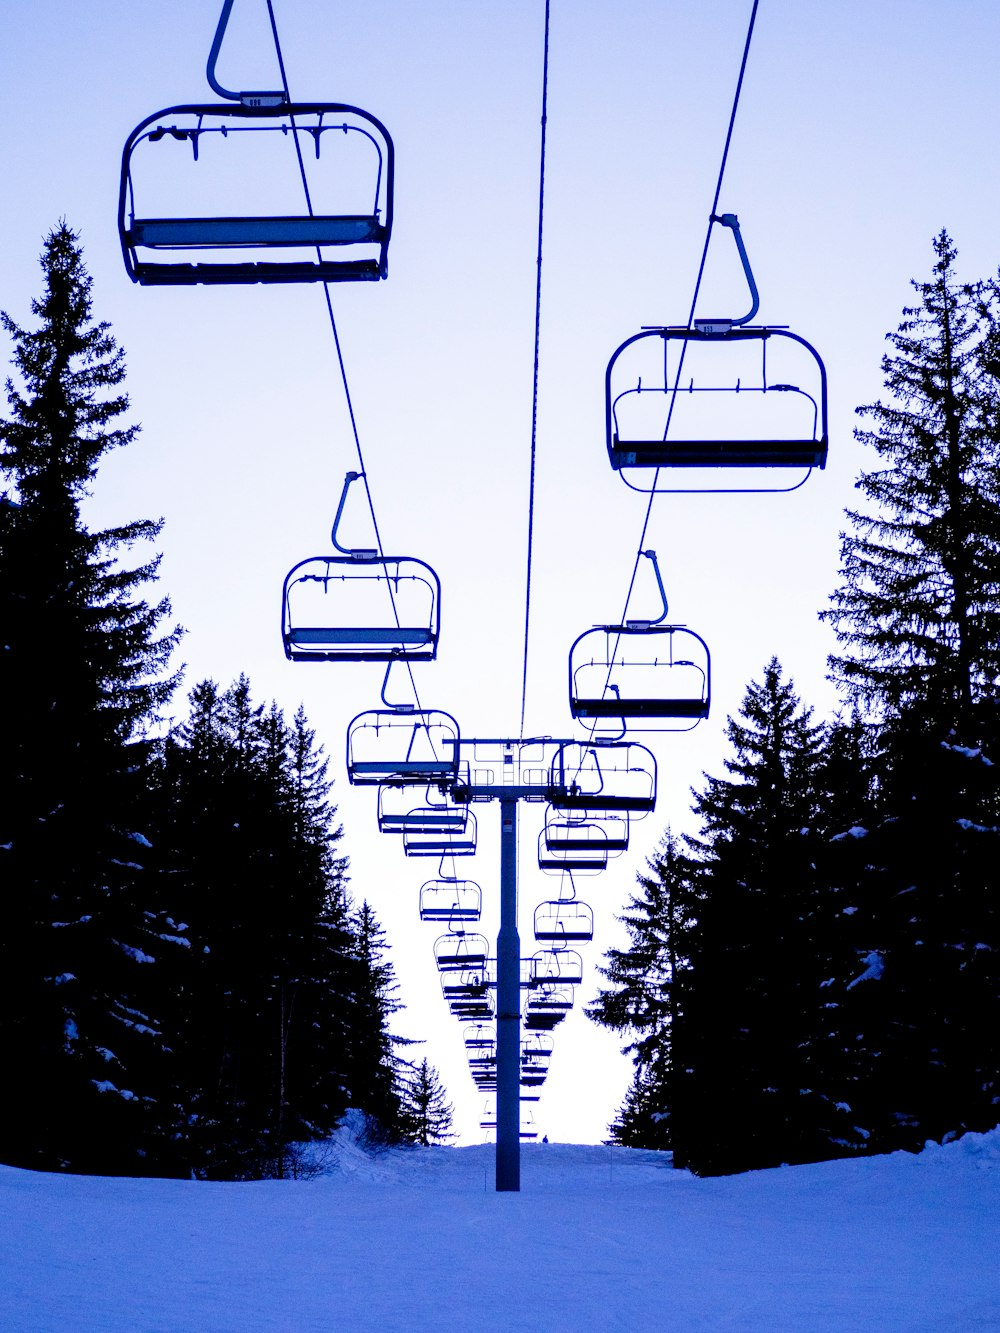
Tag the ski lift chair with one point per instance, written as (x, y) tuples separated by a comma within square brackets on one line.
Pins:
[(203, 200), (479, 1037), (401, 747), (558, 967), (582, 861), (411, 809), (458, 952), (564, 921), (604, 776), (802, 442), (750, 423), (566, 832), (424, 840), (450, 900), (642, 672), (360, 606)]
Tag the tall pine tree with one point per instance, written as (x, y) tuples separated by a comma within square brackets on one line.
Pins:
[(427, 1113), (639, 1001), (917, 609), (746, 1088), (246, 834), (917, 614), (84, 669)]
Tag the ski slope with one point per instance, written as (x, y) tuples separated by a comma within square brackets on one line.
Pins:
[(597, 1240)]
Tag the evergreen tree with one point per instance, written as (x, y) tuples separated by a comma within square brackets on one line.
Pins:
[(373, 1071), (747, 1089), (917, 614), (247, 834), (426, 1111), (639, 1001), (84, 670), (917, 609)]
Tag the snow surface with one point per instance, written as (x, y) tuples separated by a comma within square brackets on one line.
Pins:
[(597, 1240)]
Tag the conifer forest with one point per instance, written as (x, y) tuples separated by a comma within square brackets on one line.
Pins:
[(191, 985), (187, 983)]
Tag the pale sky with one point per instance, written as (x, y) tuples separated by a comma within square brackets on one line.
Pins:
[(862, 131)]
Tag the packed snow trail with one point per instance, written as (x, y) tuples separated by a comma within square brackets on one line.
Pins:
[(597, 1240)]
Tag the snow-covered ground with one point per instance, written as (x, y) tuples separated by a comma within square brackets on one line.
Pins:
[(596, 1240)]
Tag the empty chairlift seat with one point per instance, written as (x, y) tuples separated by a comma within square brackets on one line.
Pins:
[(402, 747), (564, 921), (604, 776), (479, 1037), (361, 608), (558, 967), (212, 193), (450, 900), (428, 840), (566, 832), (547, 1006), (420, 806), (640, 673), (734, 406), (458, 952)]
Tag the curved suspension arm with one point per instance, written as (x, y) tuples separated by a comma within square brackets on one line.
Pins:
[(731, 221), (397, 707), (648, 624), (272, 97), (356, 553)]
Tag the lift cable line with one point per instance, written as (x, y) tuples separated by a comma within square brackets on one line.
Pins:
[(534, 392), (713, 219), (363, 474)]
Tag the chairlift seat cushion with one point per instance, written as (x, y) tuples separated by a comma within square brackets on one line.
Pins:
[(718, 453), (256, 231), (401, 768), (680, 708), (598, 801), (309, 635)]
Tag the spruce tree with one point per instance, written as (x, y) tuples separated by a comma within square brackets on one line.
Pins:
[(746, 1090), (917, 609), (426, 1111), (247, 834), (373, 1069), (84, 670), (639, 1002), (917, 614)]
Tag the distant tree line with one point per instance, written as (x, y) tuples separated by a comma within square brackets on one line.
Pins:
[(186, 985), (816, 972)]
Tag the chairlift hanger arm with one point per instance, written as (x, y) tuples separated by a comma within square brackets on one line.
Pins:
[(731, 221), (362, 553), (271, 98)]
